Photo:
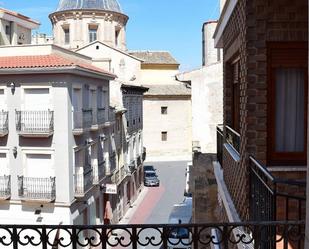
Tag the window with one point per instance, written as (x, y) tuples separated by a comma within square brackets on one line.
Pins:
[(93, 33), (236, 95), (164, 136), (7, 30), (288, 103), (66, 31), (163, 110), (117, 32)]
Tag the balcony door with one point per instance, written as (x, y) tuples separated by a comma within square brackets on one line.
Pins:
[(39, 166), (288, 104), (37, 99)]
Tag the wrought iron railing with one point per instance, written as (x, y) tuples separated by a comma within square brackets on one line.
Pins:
[(139, 161), (35, 188), (83, 181), (220, 143), (82, 119), (94, 117), (221, 235), (5, 187), (4, 122), (269, 193), (101, 116), (112, 162), (233, 138), (33, 122), (111, 114), (144, 153), (98, 172)]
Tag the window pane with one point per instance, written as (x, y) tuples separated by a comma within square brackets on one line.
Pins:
[(290, 106), (164, 136), (92, 34), (66, 35), (163, 110)]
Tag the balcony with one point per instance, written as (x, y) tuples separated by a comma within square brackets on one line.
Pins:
[(99, 172), (4, 123), (269, 198), (233, 138), (220, 143), (144, 153), (83, 181), (217, 235), (82, 121), (37, 189), (5, 187), (35, 123), (139, 161), (273, 198)]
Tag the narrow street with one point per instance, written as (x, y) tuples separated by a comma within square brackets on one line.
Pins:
[(172, 181), (158, 201)]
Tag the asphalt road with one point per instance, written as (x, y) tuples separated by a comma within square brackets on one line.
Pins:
[(172, 180)]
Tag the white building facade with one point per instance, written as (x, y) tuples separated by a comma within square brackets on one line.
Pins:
[(97, 29), (15, 29), (54, 137)]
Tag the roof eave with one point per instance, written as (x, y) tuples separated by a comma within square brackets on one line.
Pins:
[(223, 21), (139, 88), (48, 70)]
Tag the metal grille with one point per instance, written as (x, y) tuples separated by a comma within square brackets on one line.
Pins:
[(5, 186), (221, 235), (35, 121), (37, 188), (4, 121)]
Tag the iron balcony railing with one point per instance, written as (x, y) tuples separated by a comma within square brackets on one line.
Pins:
[(35, 122), (82, 119), (139, 161), (273, 198), (220, 144), (35, 188), (101, 114), (83, 181), (233, 138), (4, 122), (5, 187), (217, 235), (268, 192), (98, 172), (144, 153), (112, 162)]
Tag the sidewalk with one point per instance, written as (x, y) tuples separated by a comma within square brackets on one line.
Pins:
[(132, 210), (143, 206)]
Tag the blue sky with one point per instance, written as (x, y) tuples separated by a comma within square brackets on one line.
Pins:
[(172, 25)]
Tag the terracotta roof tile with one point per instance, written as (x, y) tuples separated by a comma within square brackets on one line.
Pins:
[(44, 61)]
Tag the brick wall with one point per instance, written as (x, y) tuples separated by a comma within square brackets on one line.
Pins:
[(252, 24)]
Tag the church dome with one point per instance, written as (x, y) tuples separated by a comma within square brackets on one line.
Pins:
[(109, 5)]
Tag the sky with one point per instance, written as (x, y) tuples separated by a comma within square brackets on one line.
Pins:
[(168, 25)]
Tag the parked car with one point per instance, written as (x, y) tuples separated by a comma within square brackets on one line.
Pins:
[(180, 237), (188, 175), (149, 168), (151, 178)]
